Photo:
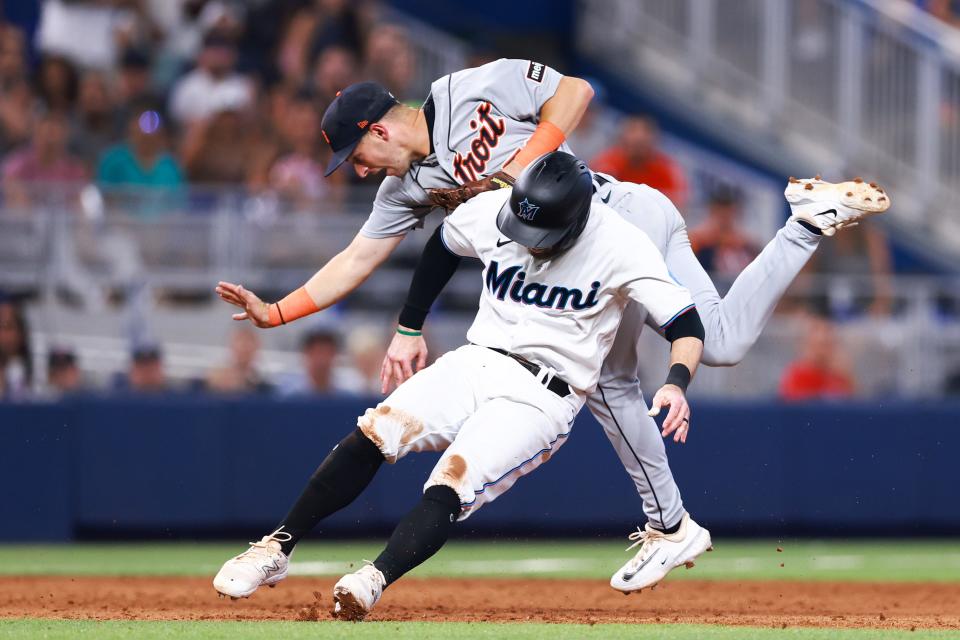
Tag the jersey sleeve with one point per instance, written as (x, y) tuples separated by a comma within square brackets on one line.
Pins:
[(456, 233), (395, 210), (648, 281), (471, 230), (518, 88)]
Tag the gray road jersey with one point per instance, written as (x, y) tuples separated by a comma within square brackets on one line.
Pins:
[(483, 116)]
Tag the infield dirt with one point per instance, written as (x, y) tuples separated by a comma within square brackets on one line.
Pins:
[(760, 603)]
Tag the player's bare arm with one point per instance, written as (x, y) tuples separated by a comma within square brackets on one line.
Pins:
[(342, 274), (408, 350), (684, 357), (563, 111)]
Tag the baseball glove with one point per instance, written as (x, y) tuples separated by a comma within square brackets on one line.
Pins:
[(452, 198)]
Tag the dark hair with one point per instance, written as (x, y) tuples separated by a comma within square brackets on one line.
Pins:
[(319, 336), (72, 82), (146, 352), (60, 357), (23, 352), (724, 195)]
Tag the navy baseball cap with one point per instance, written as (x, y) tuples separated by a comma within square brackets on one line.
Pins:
[(350, 114)]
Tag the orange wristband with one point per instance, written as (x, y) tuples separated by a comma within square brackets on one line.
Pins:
[(547, 137), (296, 305)]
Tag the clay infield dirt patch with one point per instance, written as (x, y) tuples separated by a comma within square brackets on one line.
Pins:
[(829, 604)]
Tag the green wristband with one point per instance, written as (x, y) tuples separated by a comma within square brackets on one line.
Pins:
[(406, 332)]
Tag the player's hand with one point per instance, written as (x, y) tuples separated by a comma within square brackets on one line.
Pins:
[(254, 309), (677, 421), (452, 198), (405, 356)]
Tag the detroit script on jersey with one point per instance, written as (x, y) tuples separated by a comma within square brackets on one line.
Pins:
[(482, 116), (470, 167)]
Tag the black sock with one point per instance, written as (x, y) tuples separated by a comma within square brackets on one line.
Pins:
[(339, 479), (421, 533), (809, 227), (669, 530)]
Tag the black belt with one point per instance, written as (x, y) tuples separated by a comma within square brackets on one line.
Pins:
[(556, 385)]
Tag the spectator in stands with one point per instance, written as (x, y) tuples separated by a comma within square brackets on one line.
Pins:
[(822, 370), (297, 173), (57, 83), (336, 68), (13, 63), (142, 160), (339, 23), (146, 370), (366, 346), (16, 97), (46, 160), (946, 10), (293, 50), (636, 158), (16, 367), (213, 85), (390, 60), (63, 373), (320, 348), (222, 149), (16, 104), (94, 125), (722, 247), (133, 82), (239, 374)]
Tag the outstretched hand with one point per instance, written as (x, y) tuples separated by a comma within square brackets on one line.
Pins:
[(677, 421), (405, 356), (254, 309)]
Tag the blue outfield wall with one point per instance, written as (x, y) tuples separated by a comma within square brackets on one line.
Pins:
[(188, 466)]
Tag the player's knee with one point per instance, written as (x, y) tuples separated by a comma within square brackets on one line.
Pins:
[(450, 473), (724, 354), (389, 429), (359, 445)]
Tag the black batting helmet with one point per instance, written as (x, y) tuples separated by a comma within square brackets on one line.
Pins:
[(550, 203)]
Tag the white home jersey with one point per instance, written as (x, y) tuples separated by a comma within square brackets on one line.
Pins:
[(562, 313), (481, 117)]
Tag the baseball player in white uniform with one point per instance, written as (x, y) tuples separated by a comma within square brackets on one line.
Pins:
[(559, 270), (477, 129)]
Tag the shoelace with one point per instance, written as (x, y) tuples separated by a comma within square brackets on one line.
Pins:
[(261, 548), (646, 538)]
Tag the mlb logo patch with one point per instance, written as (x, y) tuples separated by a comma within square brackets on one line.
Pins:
[(528, 210), (535, 71)]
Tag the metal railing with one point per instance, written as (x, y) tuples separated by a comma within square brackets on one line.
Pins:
[(871, 86), (913, 352)]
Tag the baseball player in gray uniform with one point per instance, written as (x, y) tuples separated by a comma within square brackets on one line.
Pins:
[(477, 129), (559, 269)]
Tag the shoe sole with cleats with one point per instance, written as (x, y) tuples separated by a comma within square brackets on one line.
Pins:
[(859, 200), (346, 606)]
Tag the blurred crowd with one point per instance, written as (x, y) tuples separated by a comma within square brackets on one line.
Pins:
[(328, 364), (161, 94)]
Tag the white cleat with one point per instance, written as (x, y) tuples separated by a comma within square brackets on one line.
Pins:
[(829, 206), (356, 593), (262, 564), (659, 554)]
